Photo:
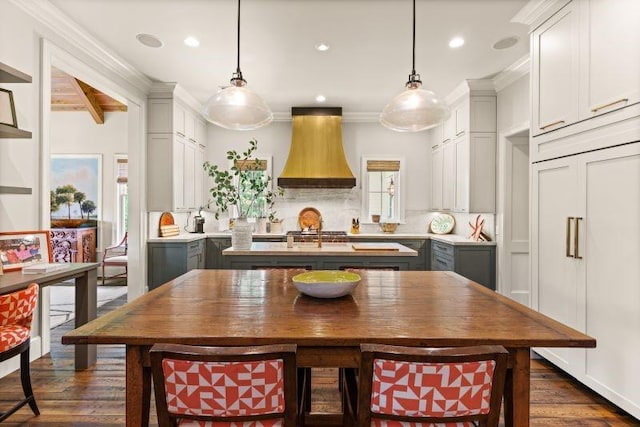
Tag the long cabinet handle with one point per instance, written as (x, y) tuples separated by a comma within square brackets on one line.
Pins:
[(460, 133), (576, 242), (568, 238), (551, 124), (596, 109)]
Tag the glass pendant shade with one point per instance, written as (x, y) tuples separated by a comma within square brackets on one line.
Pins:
[(237, 108), (414, 110)]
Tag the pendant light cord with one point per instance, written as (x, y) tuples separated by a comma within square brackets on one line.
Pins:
[(413, 68), (238, 64)]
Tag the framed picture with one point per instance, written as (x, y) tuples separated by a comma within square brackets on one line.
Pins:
[(76, 184), (7, 108), (22, 248)]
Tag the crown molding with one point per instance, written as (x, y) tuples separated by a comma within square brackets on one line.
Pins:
[(512, 73), (535, 12), (478, 86), (61, 25)]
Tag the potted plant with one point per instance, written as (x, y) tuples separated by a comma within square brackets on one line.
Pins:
[(276, 223), (242, 188)]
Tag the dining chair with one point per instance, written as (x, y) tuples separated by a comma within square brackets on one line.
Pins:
[(16, 314), (396, 386), (227, 386), (115, 256)]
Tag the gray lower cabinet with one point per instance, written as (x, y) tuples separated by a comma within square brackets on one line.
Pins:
[(421, 262), (475, 262), (215, 246), (169, 260)]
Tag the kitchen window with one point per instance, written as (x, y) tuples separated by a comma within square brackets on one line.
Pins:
[(253, 170), (382, 189)]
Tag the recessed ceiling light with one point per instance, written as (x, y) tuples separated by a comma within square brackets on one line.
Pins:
[(320, 98), (456, 42), (149, 40), (322, 46), (506, 42), (192, 41)]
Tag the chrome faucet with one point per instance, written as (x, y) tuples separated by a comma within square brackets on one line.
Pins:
[(319, 231)]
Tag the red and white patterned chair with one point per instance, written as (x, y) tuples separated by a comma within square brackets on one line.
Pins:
[(16, 314), (225, 386), (409, 386)]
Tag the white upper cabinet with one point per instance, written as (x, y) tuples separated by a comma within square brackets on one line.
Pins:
[(555, 67), (464, 151), (610, 40), (585, 76), (175, 154)]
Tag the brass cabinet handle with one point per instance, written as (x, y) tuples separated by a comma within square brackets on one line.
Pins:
[(568, 238), (596, 109), (433, 147), (551, 124), (577, 238)]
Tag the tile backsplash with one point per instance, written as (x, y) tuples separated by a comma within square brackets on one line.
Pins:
[(337, 206)]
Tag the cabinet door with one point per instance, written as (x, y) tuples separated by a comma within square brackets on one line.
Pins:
[(201, 132), (448, 175), (190, 126), (610, 38), (555, 67), (449, 128), (436, 178), (461, 203), (160, 116), (178, 173), (199, 178), (610, 271), (190, 174), (461, 114), (553, 269), (179, 118)]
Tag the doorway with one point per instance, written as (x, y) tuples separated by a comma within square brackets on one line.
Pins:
[(513, 214)]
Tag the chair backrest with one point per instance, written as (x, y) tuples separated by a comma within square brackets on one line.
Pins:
[(225, 384), (16, 314), (17, 307), (431, 385)]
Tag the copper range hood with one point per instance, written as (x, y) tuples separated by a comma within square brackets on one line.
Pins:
[(316, 156)]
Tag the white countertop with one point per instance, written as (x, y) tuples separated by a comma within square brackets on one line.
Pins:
[(327, 249), (451, 239)]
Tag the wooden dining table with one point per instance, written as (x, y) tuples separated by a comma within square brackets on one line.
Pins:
[(253, 307)]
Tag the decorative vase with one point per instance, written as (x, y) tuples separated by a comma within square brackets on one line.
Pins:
[(241, 234), (261, 225)]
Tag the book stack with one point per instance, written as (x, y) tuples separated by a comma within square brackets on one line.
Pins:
[(43, 268)]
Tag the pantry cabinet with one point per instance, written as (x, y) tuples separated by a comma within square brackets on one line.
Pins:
[(464, 157), (585, 269), (175, 153), (585, 68)]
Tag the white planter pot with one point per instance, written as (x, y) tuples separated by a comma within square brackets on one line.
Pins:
[(276, 227), (261, 225), (241, 234)]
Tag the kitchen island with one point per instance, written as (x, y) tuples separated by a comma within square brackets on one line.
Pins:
[(331, 256)]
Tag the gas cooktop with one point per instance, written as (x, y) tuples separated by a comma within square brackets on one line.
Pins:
[(312, 236)]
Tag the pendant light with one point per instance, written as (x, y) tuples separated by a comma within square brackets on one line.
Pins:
[(236, 107), (415, 109)]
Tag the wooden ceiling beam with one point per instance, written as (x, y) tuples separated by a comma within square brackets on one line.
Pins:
[(89, 100)]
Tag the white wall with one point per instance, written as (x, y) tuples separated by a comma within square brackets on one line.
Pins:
[(337, 206), (78, 133), (513, 104)]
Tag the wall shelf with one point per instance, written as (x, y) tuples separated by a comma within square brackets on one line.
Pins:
[(7, 131), (11, 75), (14, 190)]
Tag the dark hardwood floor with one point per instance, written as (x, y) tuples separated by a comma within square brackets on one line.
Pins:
[(96, 397)]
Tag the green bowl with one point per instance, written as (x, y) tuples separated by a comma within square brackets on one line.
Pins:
[(326, 283)]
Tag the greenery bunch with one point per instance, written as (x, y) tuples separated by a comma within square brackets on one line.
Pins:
[(240, 186)]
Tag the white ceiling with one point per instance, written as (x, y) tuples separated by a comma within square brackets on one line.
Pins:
[(369, 59)]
